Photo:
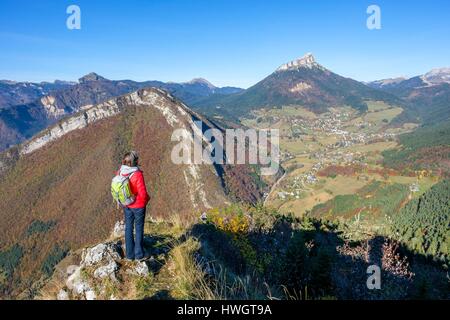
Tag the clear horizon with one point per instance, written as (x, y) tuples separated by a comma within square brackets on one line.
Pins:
[(229, 43)]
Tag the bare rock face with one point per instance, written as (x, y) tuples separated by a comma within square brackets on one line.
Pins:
[(71, 270), (62, 295), (98, 264), (107, 271), (103, 252), (49, 104), (307, 61), (151, 98), (102, 260), (141, 269), (119, 230), (79, 286), (90, 295)]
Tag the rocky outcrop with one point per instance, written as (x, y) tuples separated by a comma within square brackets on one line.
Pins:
[(119, 230), (100, 266), (307, 61), (49, 104), (300, 87), (78, 287)]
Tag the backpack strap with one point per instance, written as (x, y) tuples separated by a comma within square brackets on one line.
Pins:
[(131, 174)]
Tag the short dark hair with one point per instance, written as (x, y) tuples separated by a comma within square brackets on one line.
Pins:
[(130, 159)]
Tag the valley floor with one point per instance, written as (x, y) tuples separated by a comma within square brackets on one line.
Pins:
[(335, 153)]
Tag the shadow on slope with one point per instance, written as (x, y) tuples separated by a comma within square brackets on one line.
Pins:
[(284, 257)]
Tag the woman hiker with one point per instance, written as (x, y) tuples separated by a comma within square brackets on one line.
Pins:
[(134, 207)]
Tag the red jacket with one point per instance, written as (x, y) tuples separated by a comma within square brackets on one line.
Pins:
[(138, 188)]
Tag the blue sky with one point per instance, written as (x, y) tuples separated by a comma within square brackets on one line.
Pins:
[(229, 42)]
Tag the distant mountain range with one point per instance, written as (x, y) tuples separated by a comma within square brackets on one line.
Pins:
[(27, 108), (300, 82), (428, 95), (401, 85), (13, 93), (425, 99), (41, 105)]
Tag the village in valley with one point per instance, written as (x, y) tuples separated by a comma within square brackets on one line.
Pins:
[(334, 153)]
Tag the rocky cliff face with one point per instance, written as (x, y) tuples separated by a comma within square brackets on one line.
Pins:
[(307, 61)]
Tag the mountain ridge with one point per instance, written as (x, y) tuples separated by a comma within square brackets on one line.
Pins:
[(427, 96), (60, 167), (20, 122), (299, 82)]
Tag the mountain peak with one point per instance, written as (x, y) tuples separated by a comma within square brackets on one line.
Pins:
[(307, 61), (437, 76), (202, 81), (91, 77)]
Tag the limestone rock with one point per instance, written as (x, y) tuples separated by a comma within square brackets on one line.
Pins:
[(76, 284), (119, 230), (90, 295), (307, 61), (101, 253), (71, 270), (106, 271), (95, 255), (140, 269), (62, 295)]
